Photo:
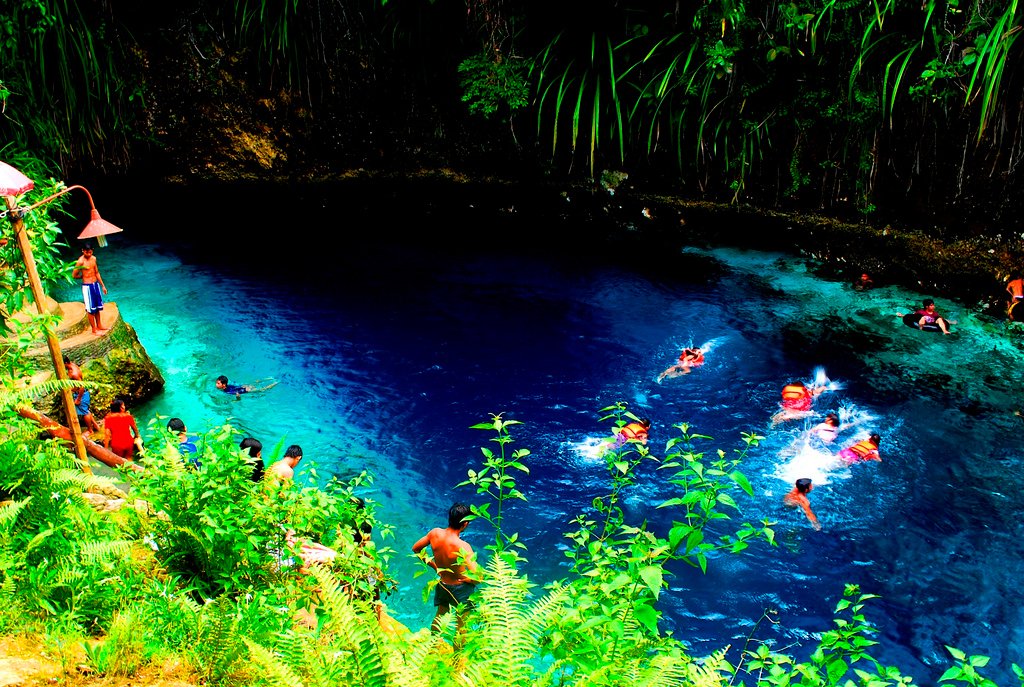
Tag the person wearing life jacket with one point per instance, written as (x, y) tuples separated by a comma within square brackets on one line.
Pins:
[(634, 431), (862, 450), (688, 359), (797, 399)]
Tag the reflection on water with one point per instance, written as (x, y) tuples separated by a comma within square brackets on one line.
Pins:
[(386, 358)]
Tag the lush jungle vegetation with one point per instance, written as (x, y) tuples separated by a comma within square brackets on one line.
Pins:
[(861, 107), (210, 564)]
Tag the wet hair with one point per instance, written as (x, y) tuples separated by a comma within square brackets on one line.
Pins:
[(175, 425), (222, 379), (456, 514), (67, 360), (803, 485), (875, 439), (254, 447), (832, 419), (645, 422), (117, 406), (293, 451), (927, 301)]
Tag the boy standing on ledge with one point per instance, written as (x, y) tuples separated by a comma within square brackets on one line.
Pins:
[(88, 271), (454, 562)]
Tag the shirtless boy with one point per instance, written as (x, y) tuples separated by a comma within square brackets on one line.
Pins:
[(284, 469), (88, 271), (798, 498), (455, 563)]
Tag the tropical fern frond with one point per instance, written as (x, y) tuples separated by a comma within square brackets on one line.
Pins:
[(272, 666), (9, 512), (357, 633)]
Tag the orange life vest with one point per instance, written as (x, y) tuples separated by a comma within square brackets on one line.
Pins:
[(633, 431), (863, 449), (794, 392)]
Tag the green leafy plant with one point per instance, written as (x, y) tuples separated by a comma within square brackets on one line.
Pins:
[(496, 479)]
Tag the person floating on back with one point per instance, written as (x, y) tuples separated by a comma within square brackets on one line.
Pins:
[(237, 390), (862, 450), (688, 359), (797, 399), (455, 563), (798, 498)]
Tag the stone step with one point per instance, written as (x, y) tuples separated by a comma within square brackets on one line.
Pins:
[(73, 330)]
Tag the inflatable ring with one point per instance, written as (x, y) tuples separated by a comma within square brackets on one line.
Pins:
[(911, 319)]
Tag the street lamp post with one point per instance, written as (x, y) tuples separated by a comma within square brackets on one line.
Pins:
[(12, 184)]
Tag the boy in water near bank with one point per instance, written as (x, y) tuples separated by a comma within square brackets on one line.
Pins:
[(798, 498), (88, 271), (455, 563), (237, 390)]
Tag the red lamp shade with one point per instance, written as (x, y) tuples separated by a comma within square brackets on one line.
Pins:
[(98, 228), (13, 182)]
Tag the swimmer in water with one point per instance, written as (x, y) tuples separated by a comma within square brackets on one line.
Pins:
[(797, 399), (828, 430), (862, 450), (688, 359), (798, 498)]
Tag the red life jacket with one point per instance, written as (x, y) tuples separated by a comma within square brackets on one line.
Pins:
[(698, 359)]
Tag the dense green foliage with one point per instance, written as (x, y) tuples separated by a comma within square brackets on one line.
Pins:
[(820, 103)]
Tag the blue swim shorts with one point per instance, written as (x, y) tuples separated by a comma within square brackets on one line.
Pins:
[(93, 297), (82, 409), (453, 594)]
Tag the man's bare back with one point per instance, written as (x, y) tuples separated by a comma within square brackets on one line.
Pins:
[(451, 554)]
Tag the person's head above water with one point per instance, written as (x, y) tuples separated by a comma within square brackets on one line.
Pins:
[(175, 424), (832, 419), (875, 439), (803, 485), (222, 381), (928, 303)]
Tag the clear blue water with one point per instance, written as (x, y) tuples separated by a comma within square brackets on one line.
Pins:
[(385, 352)]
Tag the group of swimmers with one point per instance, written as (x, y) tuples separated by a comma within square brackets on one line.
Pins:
[(797, 402)]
